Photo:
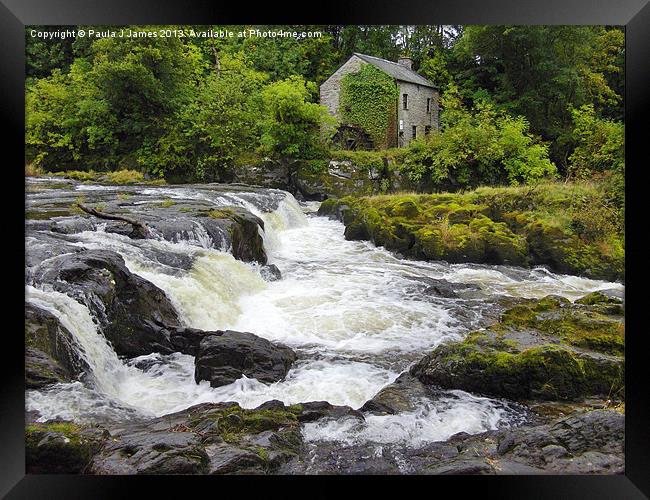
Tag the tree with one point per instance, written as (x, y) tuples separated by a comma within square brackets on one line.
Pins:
[(599, 152), (204, 139), (291, 124), (478, 146), (541, 72)]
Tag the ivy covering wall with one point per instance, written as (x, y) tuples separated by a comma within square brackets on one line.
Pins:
[(368, 100)]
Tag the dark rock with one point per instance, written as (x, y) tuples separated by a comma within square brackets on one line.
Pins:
[(133, 311), (467, 466), (210, 438), (589, 442), (315, 410), (270, 272), (403, 395), (41, 245), (51, 352), (242, 229), (147, 452), (41, 370), (224, 357), (273, 404), (547, 349), (61, 447), (186, 340), (226, 459), (440, 287)]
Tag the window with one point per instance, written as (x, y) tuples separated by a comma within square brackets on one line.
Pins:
[(415, 130), (405, 100), (429, 105), (427, 129)]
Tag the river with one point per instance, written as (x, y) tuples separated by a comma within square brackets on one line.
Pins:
[(354, 314)]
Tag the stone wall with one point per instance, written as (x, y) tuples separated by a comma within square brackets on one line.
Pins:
[(416, 114), (330, 90)]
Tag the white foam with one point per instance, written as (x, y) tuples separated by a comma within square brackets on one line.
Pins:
[(341, 304)]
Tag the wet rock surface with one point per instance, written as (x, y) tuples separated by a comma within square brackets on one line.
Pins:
[(133, 310), (589, 442), (224, 356), (402, 395), (209, 213), (548, 349), (50, 355)]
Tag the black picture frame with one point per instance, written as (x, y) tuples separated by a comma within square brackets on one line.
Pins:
[(16, 14)]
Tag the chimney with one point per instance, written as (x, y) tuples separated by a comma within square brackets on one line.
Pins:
[(405, 61)]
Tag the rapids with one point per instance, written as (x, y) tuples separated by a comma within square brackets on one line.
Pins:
[(347, 308)]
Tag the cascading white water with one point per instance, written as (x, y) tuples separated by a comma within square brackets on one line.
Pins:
[(343, 306)]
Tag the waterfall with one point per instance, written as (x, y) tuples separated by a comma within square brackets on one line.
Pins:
[(347, 308)]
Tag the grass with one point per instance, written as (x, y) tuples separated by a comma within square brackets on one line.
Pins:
[(119, 177)]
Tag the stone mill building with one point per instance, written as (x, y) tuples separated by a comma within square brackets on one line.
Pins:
[(418, 99)]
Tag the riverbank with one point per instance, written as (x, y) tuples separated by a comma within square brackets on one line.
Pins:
[(137, 347), (567, 227)]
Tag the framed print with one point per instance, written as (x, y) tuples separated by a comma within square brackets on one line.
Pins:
[(382, 241)]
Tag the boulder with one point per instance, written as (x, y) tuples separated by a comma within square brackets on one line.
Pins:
[(210, 438), (403, 395), (141, 451), (270, 272), (133, 312), (41, 370), (225, 356), (439, 287), (61, 447), (315, 410), (50, 352), (548, 349)]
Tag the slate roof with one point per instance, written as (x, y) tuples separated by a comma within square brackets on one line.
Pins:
[(396, 70)]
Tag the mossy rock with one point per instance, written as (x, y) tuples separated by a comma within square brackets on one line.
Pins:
[(521, 227), (548, 349), (51, 355), (233, 423), (61, 447)]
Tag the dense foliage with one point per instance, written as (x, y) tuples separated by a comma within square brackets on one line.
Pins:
[(519, 102), (477, 146)]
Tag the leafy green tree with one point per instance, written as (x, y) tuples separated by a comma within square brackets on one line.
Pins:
[(291, 124), (435, 69), (600, 151), (204, 139), (541, 72), (479, 146)]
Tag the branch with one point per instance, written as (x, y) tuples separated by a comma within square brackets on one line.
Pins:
[(140, 229)]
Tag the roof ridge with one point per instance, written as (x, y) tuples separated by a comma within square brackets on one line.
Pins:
[(411, 73)]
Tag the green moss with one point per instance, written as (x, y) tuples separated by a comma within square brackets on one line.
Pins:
[(328, 207), (517, 226), (221, 213), (60, 447), (518, 358), (119, 177), (595, 298), (234, 422), (167, 204), (544, 372), (593, 328), (46, 214), (263, 454)]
